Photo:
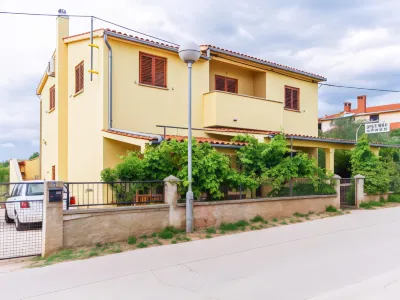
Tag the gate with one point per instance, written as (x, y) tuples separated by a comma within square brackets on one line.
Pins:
[(21, 215), (347, 193)]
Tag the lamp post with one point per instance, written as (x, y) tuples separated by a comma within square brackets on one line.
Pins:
[(189, 52)]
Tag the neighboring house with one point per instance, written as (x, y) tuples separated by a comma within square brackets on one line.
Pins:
[(137, 84), (389, 113), (21, 170)]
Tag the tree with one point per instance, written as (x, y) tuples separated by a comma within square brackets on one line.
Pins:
[(4, 171), (366, 163), (34, 155)]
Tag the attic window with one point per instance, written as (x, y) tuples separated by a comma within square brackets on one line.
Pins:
[(226, 84), (152, 70), (374, 118)]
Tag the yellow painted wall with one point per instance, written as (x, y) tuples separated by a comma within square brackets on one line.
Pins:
[(243, 75), (260, 84), (141, 108), (85, 111), (113, 150), (49, 134), (305, 121), (220, 109), (32, 169)]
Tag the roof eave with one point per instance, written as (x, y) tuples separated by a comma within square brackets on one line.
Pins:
[(265, 63)]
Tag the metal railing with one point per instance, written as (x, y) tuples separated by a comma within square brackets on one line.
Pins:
[(124, 193)]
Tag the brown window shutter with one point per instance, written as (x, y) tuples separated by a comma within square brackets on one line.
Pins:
[(82, 77), (53, 173), (146, 66), (160, 72), (52, 97), (288, 98), (295, 99), (77, 79), (219, 83), (231, 85)]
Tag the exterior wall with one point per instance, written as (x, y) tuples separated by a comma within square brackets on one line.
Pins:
[(390, 117), (49, 155), (141, 108), (85, 111), (15, 173), (112, 150), (91, 226), (32, 169), (326, 125), (260, 84), (220, 109), (306, 120), (216, 212)]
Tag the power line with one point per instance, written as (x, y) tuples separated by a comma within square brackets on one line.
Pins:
[(359, 88), (86, 16)]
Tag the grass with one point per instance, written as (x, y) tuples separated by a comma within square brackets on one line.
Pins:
[(394, 198), (257, 219), (154, 234), (275, 220), (253, 228), (211, 230), (222, 232), (173, 242), (239, 225), (142, 245), (292, 221), (300, 215), (371, 204), (208, 236), (331, 208), (169, 232), (156, 242), (132, 240), (283, 223), (144, 236)]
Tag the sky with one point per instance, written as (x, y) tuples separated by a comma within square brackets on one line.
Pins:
[(355, 43)]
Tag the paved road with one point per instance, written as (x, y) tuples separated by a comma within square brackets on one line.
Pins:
[(18, 243), (348, 257)]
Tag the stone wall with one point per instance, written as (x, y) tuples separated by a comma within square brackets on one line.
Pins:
[(85, 227), (215, 212)]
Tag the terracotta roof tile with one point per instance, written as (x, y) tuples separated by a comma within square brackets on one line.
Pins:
[(394, 125), (179, 138), (370, 110), (266, 61)]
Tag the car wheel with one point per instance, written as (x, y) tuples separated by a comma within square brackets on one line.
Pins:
[(18, 225), (7, 218)]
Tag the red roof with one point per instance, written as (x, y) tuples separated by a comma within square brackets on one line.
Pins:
[(179, 138), (394, 125), (266, 61), (369, 110)]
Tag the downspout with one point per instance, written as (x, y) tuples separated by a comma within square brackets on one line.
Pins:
[(158, 137)]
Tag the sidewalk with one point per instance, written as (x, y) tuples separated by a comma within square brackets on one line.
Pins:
[(299, 261)]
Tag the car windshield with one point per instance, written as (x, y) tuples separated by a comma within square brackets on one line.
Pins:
[(35, 189)]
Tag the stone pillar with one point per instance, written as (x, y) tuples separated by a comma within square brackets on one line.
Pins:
[(330, 159), (53, 223), (336, 181), (176, 214), (359, 184)]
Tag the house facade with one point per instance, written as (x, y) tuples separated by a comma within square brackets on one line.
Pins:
[(133, 92), (389, 113)]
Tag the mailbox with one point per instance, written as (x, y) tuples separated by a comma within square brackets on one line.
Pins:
[(56, 194)]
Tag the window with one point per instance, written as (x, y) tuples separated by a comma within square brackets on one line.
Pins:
[(226, 84), (374, 117), (292, 98), (52, 97), (79, 77), (152, 70), (35, 189), (53, 173)]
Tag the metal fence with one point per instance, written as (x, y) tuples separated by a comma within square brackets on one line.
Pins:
[(21, 214), (290, 188), (97, 194), (347, 192)]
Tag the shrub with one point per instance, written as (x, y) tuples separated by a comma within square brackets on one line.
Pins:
[(131, 240), (142, 245), (166, 235), (371, 204), (257, 218), (331, 208), (394, 198)]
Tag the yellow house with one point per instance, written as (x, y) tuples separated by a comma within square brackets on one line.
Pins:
[(133, 92)]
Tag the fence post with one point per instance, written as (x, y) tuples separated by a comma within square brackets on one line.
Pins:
[(337, 178), (360, 180), (53, 223), (171, 198)]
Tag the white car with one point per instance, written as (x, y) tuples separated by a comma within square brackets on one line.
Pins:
[(25, 205)]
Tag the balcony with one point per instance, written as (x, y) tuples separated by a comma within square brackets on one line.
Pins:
[(242, 111)]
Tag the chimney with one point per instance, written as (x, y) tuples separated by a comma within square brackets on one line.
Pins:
[(347, 107), (362, 104)]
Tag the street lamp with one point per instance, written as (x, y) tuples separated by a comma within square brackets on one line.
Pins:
[(189, 52)]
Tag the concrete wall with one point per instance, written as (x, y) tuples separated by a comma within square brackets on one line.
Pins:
[(216, 212), (15, 173), (91, 226)]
